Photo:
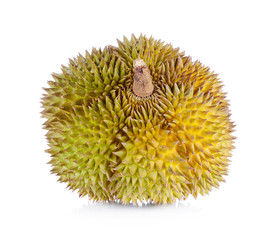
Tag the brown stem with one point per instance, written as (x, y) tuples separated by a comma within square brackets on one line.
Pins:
[(143, 85)]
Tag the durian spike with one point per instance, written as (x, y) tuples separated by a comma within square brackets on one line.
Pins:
[(143, 85)]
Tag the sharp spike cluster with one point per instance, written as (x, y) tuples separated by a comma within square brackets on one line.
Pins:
[(111, 145)]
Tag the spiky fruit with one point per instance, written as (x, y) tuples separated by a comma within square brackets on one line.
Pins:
[(137, 122)]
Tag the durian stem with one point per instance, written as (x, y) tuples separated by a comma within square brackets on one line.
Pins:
[(143, 85)]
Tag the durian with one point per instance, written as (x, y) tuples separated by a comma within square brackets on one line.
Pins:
[(136, 123)]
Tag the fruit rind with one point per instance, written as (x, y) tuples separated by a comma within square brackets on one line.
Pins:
[(110, 144)]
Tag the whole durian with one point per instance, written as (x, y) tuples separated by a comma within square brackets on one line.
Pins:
[(138, 122)]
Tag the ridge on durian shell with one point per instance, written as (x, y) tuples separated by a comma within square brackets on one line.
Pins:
[(109, 144)]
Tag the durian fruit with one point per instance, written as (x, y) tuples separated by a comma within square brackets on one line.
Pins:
[(136, 123)]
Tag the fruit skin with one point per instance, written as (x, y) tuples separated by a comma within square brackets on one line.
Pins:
[(109, 144)]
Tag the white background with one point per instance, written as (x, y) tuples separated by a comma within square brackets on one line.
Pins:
[(234, 38)]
